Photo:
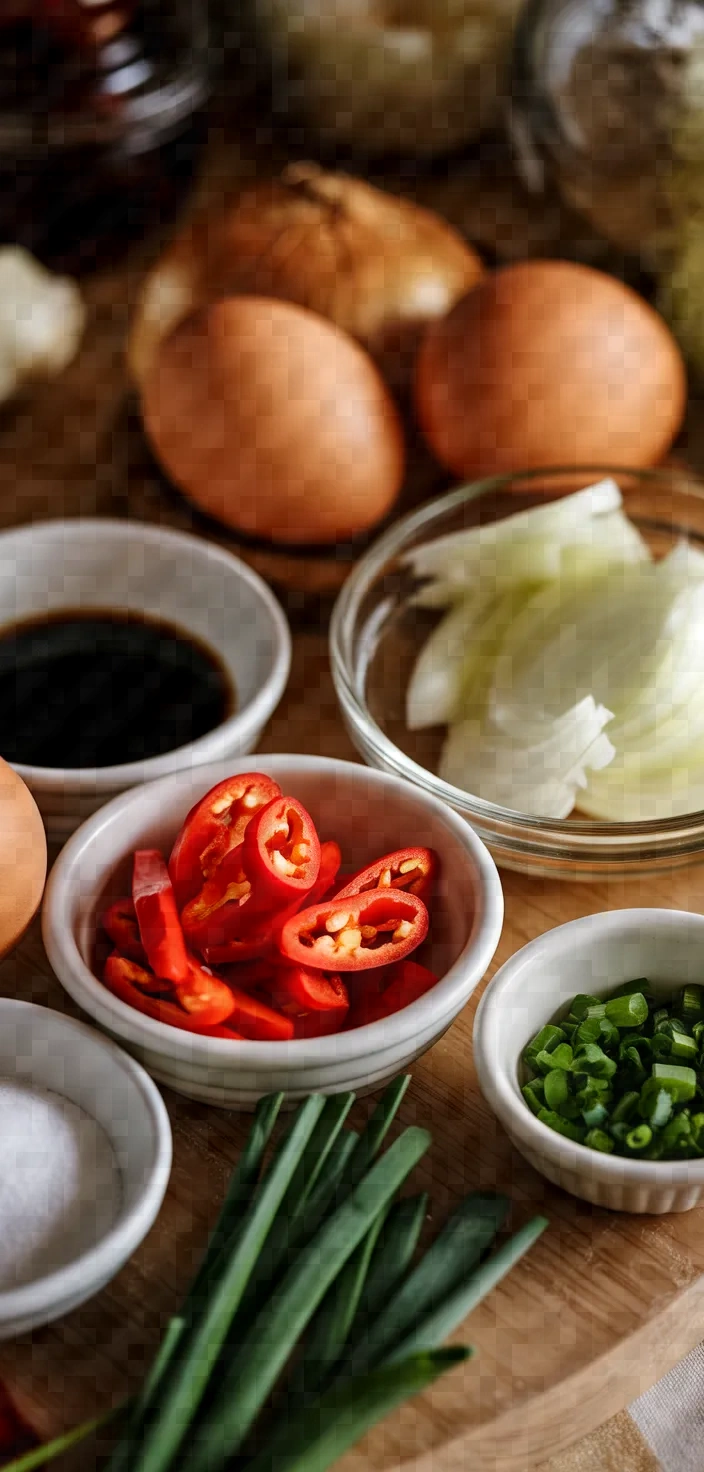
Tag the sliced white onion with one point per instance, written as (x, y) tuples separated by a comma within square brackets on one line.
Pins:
[(540, 774), (560, 624)]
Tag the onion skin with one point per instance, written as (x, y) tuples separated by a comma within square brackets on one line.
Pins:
[(378, 266), (22, 858), (274, 422), (545, 364)]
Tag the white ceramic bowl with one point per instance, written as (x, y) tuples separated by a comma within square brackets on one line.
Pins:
[(41, 1047), (369, 813), (184, 580), (593, 955)]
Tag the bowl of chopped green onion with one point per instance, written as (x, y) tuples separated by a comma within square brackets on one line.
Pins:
[(589, 1047)]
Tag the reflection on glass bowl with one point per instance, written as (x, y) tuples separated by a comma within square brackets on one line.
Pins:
[(377, 631)]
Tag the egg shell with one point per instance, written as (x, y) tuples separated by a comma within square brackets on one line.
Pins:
[(547, 363), (274, 422), (22, 857)]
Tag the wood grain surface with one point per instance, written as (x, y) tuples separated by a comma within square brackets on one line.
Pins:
[(604, 1304)]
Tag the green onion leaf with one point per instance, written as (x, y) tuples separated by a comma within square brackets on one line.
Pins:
[(454, 1254), (331, 1326), (248, 1378), (392, 1258), (190, 1370), (446, 1317), (316, 1435)]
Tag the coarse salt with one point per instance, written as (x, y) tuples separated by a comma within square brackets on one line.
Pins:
[(60, 1184)]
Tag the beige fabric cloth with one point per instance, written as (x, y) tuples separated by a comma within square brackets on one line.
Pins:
[(662, 1431)]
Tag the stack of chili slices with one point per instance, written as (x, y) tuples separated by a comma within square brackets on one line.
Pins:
[(250, 890)]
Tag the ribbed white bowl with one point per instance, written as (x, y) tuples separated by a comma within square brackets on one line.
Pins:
[(369, 813), (592, 955)]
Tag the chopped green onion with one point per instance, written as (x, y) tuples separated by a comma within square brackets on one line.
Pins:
[(548, 1038), (679, 1081), (677, 1135), (595, 1116), (599, 1140), (660, 1016), (655, 1104), (641, 984), (560, 1057), (589, 1031), (562, 1126), (692, 1003), (639, 1138), (684, 1047), (557, 1094), (626, 1107), (628, 1011), (592, 1060), (580, 1006), (534, 1100)]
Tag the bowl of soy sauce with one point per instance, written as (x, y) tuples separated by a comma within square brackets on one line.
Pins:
[(128, 652)]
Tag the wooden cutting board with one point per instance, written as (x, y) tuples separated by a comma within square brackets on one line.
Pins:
[(604, 1304)]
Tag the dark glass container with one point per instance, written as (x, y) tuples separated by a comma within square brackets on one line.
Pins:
[(101, 121), (607, 103)]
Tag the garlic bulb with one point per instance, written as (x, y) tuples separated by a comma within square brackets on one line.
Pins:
[(41, 321)]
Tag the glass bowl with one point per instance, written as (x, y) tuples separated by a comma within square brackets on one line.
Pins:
[(377, 631)]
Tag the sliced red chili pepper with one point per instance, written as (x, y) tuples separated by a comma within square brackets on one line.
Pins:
[(125, 979), (157, 916), (281, 853), (214, 825), (318, 1024), (259, 1021), (357, 932), (205, 996), (309, 991), (330, 861), (251, 975), (403, 984), (120, 923), (226, 891), (410, 869)]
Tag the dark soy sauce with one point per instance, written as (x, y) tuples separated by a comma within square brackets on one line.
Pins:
[(96, 688)]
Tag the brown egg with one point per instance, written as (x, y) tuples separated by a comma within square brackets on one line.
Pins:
[(22, 857), (548, 363), (275, 422)]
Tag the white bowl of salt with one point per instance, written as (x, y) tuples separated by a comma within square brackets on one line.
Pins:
[(85, 1158)]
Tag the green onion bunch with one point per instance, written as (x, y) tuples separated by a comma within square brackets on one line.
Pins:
[(312, 1315), (624, 1074)]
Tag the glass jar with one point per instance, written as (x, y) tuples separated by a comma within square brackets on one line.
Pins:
[(377, 77), (607, 103), (101, 121)]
